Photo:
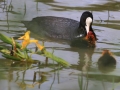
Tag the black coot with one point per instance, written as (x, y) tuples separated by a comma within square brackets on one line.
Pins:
[(63, 28)]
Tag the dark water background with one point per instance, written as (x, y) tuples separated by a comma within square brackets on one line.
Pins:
[(20, 76)]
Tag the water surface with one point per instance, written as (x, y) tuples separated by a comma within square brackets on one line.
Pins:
[(20, 76)]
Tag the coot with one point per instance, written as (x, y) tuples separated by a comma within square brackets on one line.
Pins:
[(80, 34), (106, 63), (107, 59)]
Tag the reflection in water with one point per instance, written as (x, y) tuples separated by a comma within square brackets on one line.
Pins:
[(25, 7), (113, 6), (106, 63), (3, 6), (23, 83), (9, 7), (85, 59), (53, 81), (19, 71), (45, 1), (83, 84), (42, 78)]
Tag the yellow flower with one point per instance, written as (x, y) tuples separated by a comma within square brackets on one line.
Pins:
[(26, 41), (39, 46), (26, 36)]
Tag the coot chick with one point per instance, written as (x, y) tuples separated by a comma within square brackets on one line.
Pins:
[(63, 28), (106, 62)]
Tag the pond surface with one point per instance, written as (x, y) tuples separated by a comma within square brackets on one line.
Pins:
[(84, 73)]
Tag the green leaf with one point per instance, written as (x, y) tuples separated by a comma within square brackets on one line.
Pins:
[(1, 47), (11, 57), (55, 58), (7, 40)]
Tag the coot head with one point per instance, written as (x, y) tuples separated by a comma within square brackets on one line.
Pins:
[(85, 25), (91, 39)]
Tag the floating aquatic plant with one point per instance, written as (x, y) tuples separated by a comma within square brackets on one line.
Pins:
[(20, 52)]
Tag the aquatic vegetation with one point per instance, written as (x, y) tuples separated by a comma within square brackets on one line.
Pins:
[(83, 85), (21, 52)]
